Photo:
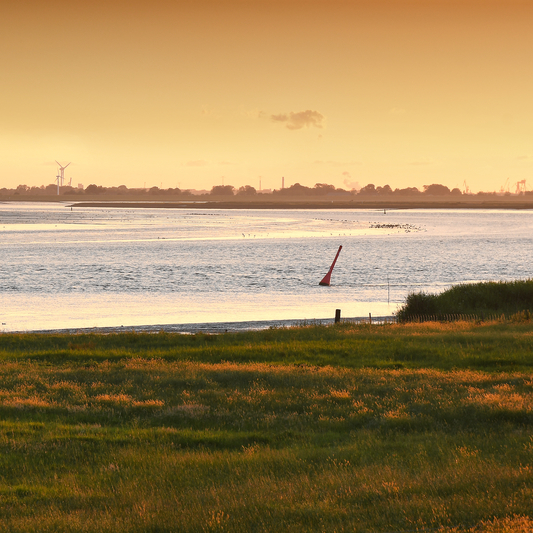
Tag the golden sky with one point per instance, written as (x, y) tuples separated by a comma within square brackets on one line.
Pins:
[(198, 93)]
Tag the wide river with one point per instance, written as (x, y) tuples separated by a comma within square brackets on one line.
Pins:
[(64, 267)]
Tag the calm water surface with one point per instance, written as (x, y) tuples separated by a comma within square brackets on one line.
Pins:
[(94, 267)]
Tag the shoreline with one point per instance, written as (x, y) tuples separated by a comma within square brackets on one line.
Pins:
[(204, 327), (304, 205)]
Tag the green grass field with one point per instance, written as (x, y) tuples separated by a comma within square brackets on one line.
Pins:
[(388, 428)]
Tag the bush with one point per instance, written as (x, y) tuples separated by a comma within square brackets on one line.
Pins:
[(418, 304), (480, 299)]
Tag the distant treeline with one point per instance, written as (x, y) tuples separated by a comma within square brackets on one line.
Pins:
[(296, 190)]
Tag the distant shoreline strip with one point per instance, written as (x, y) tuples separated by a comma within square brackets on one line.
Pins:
[(381, 205)]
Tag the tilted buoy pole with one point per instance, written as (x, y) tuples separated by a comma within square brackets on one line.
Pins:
[(327, 278)]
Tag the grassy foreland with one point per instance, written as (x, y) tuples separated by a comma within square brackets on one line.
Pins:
[(343, 428)]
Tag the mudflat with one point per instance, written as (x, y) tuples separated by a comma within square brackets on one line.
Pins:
[(267, 201), (496, 202)]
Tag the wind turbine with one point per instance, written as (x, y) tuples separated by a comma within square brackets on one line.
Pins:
[(61, 175)]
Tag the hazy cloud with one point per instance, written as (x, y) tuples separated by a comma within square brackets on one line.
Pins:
[(296, 121), (254, 113), (349, 183), (208, 111), (523, 157), (197, 163)]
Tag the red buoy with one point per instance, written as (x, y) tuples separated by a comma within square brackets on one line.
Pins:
[(327, 278)]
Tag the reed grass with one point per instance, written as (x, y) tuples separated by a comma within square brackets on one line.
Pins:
[(483, 299), (343, 428)]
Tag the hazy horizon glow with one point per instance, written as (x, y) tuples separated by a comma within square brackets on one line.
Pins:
[(195, 94)]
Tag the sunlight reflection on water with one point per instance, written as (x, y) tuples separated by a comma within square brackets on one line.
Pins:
[(110, 267)]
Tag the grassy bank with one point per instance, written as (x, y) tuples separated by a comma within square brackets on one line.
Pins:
[(483, 299), (342, 428)]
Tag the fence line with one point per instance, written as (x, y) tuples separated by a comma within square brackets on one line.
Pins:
[(445, 317), (465, 317), (371, 320)]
